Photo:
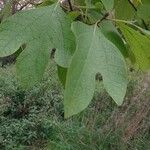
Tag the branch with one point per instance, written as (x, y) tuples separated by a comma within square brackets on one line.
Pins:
[(70, 5)]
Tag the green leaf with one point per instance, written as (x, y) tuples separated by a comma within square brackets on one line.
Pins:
[(124, 10), (79, 2), (62, 73), (139, 44), (109, 4), (93, 16), (146, 2), (94, 54), (88, 3), (6, 11), (144, 12), (146, 32), (41, 30), (73, 15), (32, 62), (112, 34)]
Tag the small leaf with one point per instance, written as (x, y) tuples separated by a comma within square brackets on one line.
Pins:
[(139, 44), (94, 54), (73, 15), (124, 10), (109, 4)]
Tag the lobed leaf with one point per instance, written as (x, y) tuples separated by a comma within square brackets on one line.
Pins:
[(94, 54), (40, 30)]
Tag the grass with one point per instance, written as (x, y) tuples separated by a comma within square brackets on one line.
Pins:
[(33, 119)]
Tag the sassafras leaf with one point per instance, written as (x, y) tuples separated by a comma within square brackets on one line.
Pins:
[(40, 30), (94, 54)]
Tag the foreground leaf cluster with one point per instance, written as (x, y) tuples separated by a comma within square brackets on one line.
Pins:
[(82, 50)]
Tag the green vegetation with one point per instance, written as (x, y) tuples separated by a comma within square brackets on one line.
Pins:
[(85, 38), (74, 61), (33, 119)]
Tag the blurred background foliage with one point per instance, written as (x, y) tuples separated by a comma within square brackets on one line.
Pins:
[(33, 119)]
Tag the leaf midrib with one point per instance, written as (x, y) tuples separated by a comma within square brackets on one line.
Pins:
[(85, 60)]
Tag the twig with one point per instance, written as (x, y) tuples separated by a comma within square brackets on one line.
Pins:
[(145, 25), (132, 5), (103, 18), (70, 5)]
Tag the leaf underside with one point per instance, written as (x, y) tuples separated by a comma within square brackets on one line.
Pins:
[(112, 34), (94, 54), (40, 30), (98, 50)]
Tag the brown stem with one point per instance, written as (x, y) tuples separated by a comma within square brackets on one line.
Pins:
[(70, 5), (13, 7), (103, 18)]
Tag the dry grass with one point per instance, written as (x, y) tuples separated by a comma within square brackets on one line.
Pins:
[(133, 115)]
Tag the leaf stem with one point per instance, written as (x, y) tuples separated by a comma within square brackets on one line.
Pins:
[(124, 21), (103, 18), (132, 24), (85, 7)]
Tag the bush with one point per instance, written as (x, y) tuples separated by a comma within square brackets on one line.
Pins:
[(33, 119), (26, 115)]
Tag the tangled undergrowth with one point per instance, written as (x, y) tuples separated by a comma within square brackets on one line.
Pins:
[(34, 120)]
